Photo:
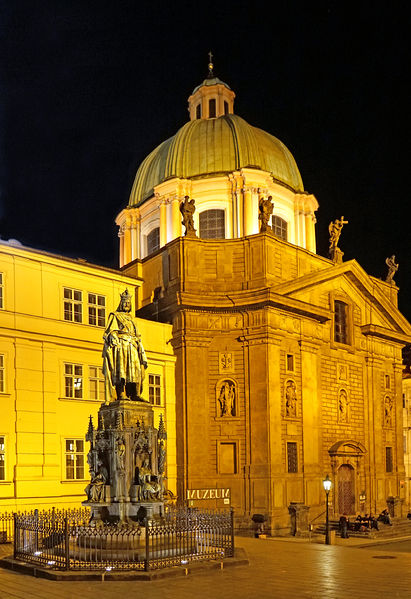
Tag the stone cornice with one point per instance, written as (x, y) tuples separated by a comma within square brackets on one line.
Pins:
[(375, 330), (250, 300)]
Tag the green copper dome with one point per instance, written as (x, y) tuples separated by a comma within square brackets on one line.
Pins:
[(206, 147)]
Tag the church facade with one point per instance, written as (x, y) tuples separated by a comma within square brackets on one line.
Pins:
[(288, 363), (271, 365)]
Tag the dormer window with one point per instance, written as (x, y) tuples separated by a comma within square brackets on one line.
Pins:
[(198, 111), (211, 109)]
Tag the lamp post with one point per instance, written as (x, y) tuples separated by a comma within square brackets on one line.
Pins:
[(327, 487)]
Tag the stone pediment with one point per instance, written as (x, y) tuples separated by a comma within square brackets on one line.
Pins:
[(381, 296), (348, 447)]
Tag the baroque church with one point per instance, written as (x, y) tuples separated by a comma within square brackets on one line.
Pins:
[(271, 365)]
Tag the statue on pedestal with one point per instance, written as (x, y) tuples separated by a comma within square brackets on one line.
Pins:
[(392, 269), (95, 489), (335, 229), (266, 208), (124, 358), (187, 209)]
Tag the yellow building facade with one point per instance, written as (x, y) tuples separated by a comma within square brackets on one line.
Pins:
[(53, 311)]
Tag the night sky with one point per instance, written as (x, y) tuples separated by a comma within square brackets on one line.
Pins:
[(88, 89)]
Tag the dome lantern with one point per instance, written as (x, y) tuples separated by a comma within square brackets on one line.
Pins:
[(212, 98)]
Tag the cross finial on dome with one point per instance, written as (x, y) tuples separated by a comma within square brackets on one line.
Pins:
[(210, 65)]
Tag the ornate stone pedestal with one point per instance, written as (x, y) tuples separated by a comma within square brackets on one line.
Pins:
[(126, 462)]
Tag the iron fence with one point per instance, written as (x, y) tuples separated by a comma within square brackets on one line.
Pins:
[(7, 519), (6, 527), (179, 536)]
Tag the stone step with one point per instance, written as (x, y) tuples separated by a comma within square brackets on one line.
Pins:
[(401, 527)]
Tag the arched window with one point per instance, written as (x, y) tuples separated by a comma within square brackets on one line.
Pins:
[(225, 107), (153, 240), (212, 224), (280, 227), (211, 109), (198, 111)]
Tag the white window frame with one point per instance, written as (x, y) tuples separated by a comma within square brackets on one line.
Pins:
[(2, 374), (1, 291), (98, 308), (76, 386), (155, 389), (98, 378), (75, 453), (72, 302), (3, 453)]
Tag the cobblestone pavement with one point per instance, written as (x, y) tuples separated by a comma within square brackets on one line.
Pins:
[(281, 569)]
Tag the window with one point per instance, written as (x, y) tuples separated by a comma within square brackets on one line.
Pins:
[(225, 107), (290, 362), (280, 227), (73, 307), (74, 459), (96, 309), (387, 381), (73, 380), (153, 240), (227, 458), (198, 111), (212, 224), (292, 460), (403, 400), (154, 389), (2, 379), (96, 382), (2, 458), (211, 109), (388, 459), (1, 291), (340, 322)]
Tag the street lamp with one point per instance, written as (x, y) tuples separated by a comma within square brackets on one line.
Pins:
[(327, 487)]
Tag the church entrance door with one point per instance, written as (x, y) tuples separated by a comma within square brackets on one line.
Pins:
[(346, 491)]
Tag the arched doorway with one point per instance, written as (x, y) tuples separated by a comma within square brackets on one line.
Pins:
[(346, 489)]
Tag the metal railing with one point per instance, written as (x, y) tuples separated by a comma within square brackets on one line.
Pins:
[(66, 542), (7, 519)]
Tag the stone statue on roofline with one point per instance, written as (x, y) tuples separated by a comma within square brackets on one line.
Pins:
[(266, 208), (124, 358), (392, 269), (187, 209), (334, 229)]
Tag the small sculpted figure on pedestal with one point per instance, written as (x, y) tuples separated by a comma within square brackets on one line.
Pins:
[(124, 358), (335, 228), (95, 489), (392, 269), (266, 208), (187, 209)]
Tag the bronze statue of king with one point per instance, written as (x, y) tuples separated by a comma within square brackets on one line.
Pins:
[(124, 358)]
